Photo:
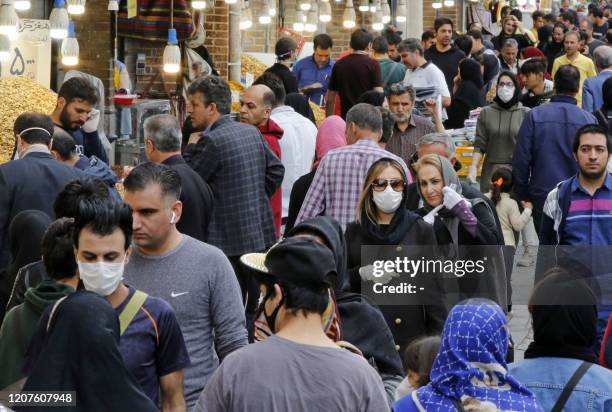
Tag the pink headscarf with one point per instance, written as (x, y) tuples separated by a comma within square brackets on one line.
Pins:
[(331, 135)]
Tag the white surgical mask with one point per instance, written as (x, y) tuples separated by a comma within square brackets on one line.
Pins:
[(505, 94), (388, 200), (101, 277)]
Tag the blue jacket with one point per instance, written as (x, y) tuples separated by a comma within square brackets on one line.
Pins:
[(95, 167), (592, 93), (546, 377), (543, 153)]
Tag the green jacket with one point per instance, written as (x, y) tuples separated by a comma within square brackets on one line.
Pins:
[(18, 327)]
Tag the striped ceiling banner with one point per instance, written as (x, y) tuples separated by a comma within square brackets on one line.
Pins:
[(153, 20)]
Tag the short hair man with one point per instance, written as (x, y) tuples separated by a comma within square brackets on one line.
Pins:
[(391, 71), (538, 22), (162, 136), (464, 43), (539, 89), (568, 20), (508, 57), (554, 123), (592, 95), (422, 73), (393, 38), (573, 57), (354, 74), (428, 39), (600, 25), (570, 14), (313, 72), (285, 50), (33, 180), (295, 297), (20, 322), (443, 53), (338, 181), (195, 278), (256, 105), (151, 344), (299, 139), (75, 113), (409, 128)]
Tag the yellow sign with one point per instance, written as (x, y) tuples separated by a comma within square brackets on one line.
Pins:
[(132, 8)]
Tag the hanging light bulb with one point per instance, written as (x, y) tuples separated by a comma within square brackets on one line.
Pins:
[(325, 12), (70, 47), (298, 24), (377, 23), (312, 20), (449, 3), (305, 5), (59, 20), (272, 7), (519, 2), (401, 14), (436, 5), (76, 6), (386, 12), (113, 5), (172, 54), (198, 4), (349, 16), (5, 48), (231, 1), (364, 5), (22, 5), (246, 17), (374, 6), (9, 21)]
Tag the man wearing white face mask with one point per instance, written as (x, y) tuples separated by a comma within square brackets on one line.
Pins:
[(151, 344)]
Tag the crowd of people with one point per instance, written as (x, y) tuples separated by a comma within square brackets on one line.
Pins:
[(227, 273)]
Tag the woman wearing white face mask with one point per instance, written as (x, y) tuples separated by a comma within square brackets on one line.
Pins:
[(382, 220), (497, 128)]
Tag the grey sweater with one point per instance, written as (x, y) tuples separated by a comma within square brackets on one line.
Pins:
[(199, 283)]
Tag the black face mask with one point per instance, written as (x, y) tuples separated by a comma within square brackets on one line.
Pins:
[(271, 319)]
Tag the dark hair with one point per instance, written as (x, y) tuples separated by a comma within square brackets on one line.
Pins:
[(372, 97), (63, 144), (591, 129), (323, 41), (392, 37), (441, 21), (534, 65), (475, 34), (214, 90), (57, 250), (536, 15), (284, 46), (388, 121), (419, 357), (361, 39), (102, 218), (380, 45), (560, 25), (567, 80), (583, 36), (505, 9), (464, 43), (275, 84), (609, 36), (550, 17), (517, 13), (78, 88), (35, 136), (567, 17), (427, 34), (149, 173), (596, 12), (67, 201), (505, 174), (296, 298)]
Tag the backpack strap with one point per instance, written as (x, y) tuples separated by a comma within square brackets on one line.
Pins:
[(570, 385), (130, 310)]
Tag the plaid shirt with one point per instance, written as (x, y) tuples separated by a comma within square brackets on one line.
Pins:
[(339, 180), (404, 143), (234, 159)]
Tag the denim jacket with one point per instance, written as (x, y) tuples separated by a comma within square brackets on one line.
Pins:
[(546, 377)]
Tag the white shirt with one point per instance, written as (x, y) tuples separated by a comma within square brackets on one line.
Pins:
[(297, 148), (429, 75)]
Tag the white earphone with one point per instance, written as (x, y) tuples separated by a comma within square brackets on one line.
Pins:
[(173, 218)]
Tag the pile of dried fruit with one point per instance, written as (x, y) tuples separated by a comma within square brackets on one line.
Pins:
[(19, 95), (251, 65), (318, 111)]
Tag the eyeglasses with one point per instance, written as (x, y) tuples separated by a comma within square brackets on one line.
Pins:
[(381, 184)]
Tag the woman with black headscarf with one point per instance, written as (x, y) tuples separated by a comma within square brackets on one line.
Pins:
[(604, 113), (544, 36), (76, 349), (497, 128), (25, 234), (555, 47), (468, 94), (362, 324), (564, 315), (300, 104)]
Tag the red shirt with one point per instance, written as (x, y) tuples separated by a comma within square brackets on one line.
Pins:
[(272, 133)]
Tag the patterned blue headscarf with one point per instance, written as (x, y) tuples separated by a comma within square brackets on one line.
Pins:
[(471, 363)]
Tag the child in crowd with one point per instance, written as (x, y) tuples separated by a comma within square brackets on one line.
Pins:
[(418, 359), (510, 217)]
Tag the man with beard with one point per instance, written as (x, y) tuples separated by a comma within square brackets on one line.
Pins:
[(443, 53), (577, 211), (74, 112)]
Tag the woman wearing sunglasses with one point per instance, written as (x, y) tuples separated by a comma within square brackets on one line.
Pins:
[(383, 220)]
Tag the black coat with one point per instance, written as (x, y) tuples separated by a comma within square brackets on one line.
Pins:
[(30, 183), (287, 77), (298, 194), (197, 200)]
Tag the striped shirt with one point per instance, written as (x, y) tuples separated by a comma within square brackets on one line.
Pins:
[(339, 180), (589, 218), (403, 144)]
